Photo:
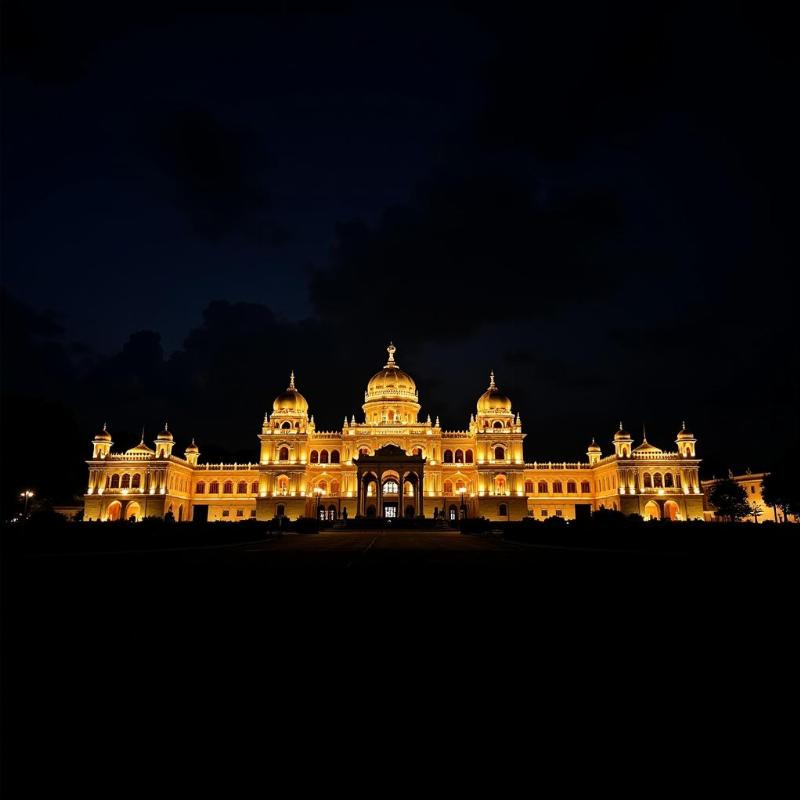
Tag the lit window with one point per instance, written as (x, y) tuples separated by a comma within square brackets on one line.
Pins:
[(239, 512), (544, 512), (225, 512), (558, 512)]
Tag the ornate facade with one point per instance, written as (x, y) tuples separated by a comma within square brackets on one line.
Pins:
[(390, 464)]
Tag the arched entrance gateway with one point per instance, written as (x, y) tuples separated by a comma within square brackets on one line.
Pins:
[(390, 483)]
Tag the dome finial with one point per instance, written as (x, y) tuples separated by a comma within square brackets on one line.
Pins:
[(683, 425), (644, 433), (492, 384), (291, 380), (391, 350), (105, 430), (620, 425)]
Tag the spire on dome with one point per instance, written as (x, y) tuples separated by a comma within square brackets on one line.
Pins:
[(644, 434), (391, 350), (620, 425), (291, 380), (345, 421), (492, 384)]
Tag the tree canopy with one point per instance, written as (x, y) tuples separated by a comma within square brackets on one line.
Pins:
[(730, 500)]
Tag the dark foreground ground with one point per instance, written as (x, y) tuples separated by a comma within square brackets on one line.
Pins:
[(114, 659)]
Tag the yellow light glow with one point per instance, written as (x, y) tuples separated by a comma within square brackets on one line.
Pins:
[(163, 490), (622, 490), (90, 490), (661, 491), (263, 494), (124, 491), (686, 490), (153, 490), (697, 490), (99, 491)]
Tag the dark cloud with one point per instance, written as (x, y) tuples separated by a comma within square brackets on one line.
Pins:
[(483, 249), (218, 174)]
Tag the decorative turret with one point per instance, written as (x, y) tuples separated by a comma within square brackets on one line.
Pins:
[(594, 452), (686, 442), (623, 442), (192, 453), (164, 443), (101, 444)]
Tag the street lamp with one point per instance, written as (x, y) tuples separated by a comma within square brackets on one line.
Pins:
[(462, 490), (318, 492), (26, 495)]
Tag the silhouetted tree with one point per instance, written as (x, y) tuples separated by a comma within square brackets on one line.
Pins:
[(781, 489), (730, 500)]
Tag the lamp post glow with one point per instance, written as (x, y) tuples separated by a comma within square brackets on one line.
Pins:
[(462, 491), (318, 492), (26, 495)]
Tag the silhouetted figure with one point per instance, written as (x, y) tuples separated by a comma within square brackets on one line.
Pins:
[(344, 514), (169, 517)]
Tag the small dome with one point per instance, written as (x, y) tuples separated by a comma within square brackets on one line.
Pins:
[(290, 400), (192, 448), (104, 435), (683, 433), (622, 433), (594, 447), (165, 435), (493, 399), (391, 382)]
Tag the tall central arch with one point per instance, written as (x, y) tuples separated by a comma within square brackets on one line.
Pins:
[(390, 462)]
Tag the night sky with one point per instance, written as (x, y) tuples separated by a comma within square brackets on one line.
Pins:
[(597, 201)]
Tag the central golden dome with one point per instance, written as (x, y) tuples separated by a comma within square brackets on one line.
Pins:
[(391, 382)]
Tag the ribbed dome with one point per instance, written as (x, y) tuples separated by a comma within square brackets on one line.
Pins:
[(165, 434), (140, 448), (391, 382), (493, 399), (104, 435), (290, 399), (646, 447)]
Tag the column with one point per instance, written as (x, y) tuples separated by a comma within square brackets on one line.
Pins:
[(401, 510)]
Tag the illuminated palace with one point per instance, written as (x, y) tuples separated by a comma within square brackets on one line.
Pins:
[(390, 464)]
